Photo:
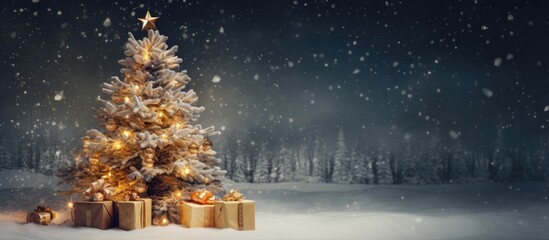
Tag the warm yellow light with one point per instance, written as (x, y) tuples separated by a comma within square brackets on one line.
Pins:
[(178, 194), (70, 205), (110, 174), (136, 87), (146, 55), (126, 99), (126, 133), (160, 114), (177, 125), (185, 171), (117, 145), (164, 222)]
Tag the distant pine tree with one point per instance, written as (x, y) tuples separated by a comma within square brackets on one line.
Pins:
[(341, 172), (359, 166), (263, 168)]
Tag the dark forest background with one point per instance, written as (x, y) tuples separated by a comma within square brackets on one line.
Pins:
[(428, 159)]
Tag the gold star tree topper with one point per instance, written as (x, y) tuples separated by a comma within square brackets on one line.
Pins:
[(148, 21)]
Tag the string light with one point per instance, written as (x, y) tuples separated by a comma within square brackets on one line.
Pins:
[(146, 55), (186, 171), (178, 194), (117, 145), (70, 205), (160, 114), (126, 99), (126, 133), (164, 222)]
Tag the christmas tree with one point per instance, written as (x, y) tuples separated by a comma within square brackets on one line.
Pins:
[(151, 145)]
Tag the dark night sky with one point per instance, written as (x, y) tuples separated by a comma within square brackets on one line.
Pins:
[(379, 69)]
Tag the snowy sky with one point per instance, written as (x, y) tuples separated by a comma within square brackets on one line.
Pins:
[(379, 69)]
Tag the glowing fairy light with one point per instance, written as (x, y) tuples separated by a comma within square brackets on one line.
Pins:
[(185, 171), (126, 133), (70, 205), (117, 145), (146, 55), (164, 222)]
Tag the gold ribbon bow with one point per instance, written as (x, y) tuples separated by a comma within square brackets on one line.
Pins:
[(233, 196), (99, 191), (203, 197)]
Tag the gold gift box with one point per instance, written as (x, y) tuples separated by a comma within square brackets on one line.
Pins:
[(196, 215), (94, 214), (134, 214), (239, 215), (43, 218)]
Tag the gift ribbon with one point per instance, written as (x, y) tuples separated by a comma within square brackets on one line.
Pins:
[(240, 216)]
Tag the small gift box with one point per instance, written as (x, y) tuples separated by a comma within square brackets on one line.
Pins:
[(196, 215), (239, 215), (135, 214), (93, 214), (41, 215)]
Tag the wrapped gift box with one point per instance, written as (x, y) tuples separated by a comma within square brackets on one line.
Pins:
[(134, 214), (239, 215), (43, 218), (196, 215), (94, 214)]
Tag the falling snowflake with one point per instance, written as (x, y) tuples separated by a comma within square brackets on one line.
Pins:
[(497, 62), (107, 22), (59, 96), (216, 79), (487, 92)]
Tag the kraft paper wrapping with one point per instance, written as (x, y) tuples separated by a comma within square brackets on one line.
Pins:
[(195, 215), (134, 214), (41, 215), (93, 214), (239, 215), (42, 218)]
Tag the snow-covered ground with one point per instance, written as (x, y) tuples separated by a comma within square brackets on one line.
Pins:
[(319, 211)]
